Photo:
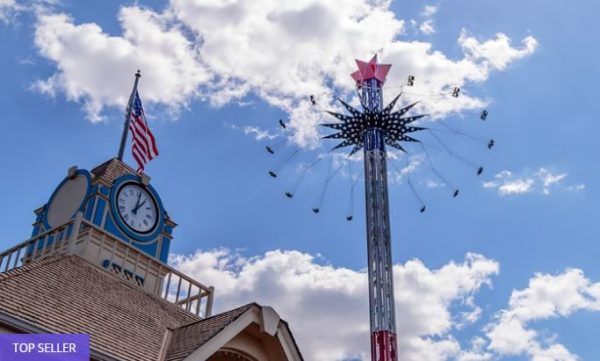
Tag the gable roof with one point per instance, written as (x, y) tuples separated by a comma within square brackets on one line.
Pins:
[(66, 294), (188, 338), (202, 339)]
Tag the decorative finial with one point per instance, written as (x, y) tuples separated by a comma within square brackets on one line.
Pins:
[(138, 74), (371, 70)]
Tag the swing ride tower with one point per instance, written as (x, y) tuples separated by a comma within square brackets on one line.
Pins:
[(379, 253), (372, 129)]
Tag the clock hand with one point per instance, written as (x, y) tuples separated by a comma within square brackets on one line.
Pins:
[(137, 203), (137, 206), (141, 204)]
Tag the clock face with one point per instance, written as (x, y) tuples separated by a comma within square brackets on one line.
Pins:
[(137, 208)]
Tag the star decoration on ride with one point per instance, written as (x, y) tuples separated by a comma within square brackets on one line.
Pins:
[(394, 125), (370, 70)]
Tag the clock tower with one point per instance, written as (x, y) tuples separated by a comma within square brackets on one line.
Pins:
[(112, 217), (117, 200)]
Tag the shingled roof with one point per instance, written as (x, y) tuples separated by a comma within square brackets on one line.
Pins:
[(66, 294), (112, 169), (188, 338)]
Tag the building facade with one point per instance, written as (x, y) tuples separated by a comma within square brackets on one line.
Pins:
[(96, 264)]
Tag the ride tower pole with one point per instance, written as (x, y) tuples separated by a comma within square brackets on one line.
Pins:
[(373, 129), (380, 267)]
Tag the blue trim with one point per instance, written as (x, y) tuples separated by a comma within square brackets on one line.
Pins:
[(47, 207), (113, 229), (36, 230), (138, 237), (99, 212), (137, 278), (164, 249), (105, 191), (150, 248), (89, 208)]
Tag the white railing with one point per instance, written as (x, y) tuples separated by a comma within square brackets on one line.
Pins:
[(82, 238)]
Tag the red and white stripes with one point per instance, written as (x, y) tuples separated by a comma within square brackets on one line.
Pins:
[(143, 146)]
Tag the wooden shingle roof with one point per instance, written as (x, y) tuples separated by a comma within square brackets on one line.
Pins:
[(66, 294), (111, 170), (188, 338)]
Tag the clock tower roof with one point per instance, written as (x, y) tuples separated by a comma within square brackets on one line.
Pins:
[(111, 170)]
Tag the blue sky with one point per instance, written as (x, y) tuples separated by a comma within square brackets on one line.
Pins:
[(525, 231)]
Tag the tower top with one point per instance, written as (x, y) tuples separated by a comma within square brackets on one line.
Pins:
[(371, 70)]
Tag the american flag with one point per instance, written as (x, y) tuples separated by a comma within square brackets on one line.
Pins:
[(143, 143)]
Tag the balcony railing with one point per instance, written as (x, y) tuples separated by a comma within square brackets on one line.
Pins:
[(82, 238)]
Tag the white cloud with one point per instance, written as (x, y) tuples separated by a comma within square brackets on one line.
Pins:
[(281, 51), (497, 53), (430, 183), (518, 186), (259, 134), (7, 9), (477, 352), (541, 181), (430, 10), (256, 132), (98, 69), (412, 163), (547, 296), (314, 295), (576, 187), (427, 27)]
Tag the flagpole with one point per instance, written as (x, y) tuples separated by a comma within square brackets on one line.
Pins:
[(128, 116)]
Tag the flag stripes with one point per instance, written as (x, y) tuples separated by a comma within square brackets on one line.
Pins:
[(143, 147)]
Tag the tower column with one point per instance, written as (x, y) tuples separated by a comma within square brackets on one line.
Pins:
[(373, 129), (380, 277)]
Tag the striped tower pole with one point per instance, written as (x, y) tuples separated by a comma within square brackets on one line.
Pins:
[(381, 283)]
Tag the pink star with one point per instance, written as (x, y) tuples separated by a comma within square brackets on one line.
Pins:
[(371, 70)]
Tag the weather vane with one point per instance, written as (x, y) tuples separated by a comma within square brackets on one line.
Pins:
[(372, 129)]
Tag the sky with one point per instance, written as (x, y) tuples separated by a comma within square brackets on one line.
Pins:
[(505, 271)]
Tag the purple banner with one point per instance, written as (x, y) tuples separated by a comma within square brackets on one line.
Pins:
[(44, 347)]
